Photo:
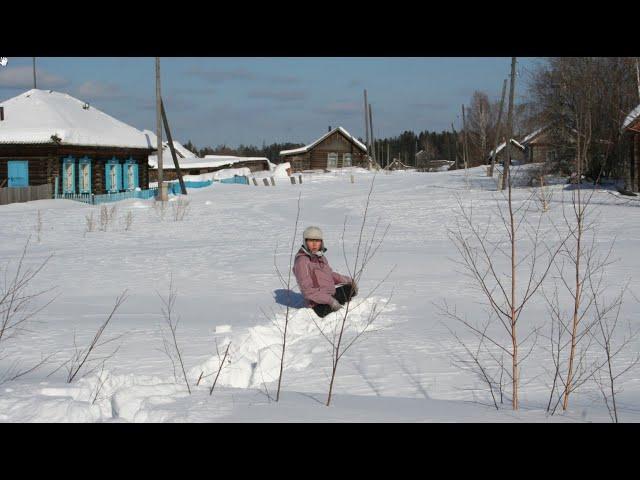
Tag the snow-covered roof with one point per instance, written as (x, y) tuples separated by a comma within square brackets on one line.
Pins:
[(533, 134), (38, 115), (635, 113), (209, 161), (309, 147), (180, 149), (503, 144)]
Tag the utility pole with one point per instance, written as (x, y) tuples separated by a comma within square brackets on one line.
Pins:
[(34, 72), (162, 192), (638, 76), (371, 130), (495, 148), (465, 149), (507, 161), (366, 121), (455, 144)]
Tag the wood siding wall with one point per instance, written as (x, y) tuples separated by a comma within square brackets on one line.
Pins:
[(317, 158), (45, 162)]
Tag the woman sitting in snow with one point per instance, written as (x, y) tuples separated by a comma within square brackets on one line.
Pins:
[(316, 280)]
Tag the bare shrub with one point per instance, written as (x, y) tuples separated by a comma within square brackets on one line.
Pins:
[(18, 307), (39, 226), (160, 208), (107, 216), (180, 208), (481, 248), (84, 362), (127, 221), (171, 347), (90, 223), (335, 330), (286, 284)]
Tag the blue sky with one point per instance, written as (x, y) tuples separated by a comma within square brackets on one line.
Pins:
[(250, 100)]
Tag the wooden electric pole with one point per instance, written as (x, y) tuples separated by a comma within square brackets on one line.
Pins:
[(34, 73), (366, 122), (507, 161), (495, 147), (455, 144), (638, 77), (465, 149), (372, 138), (183, 187), (162, 192)]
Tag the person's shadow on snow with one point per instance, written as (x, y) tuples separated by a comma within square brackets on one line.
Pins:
[(289, 298)]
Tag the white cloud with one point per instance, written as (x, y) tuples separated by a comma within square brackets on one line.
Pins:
[(22, 77), (94, 90)]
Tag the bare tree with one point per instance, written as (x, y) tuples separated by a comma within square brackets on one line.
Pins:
[(483, 249), (287, 286), (82, 360), (171, 346), (480, 122), (222, 363), (336, 332), (180, 208), (608, 338)]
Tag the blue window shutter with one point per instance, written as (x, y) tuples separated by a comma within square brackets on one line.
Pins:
[(119, 175), (107, 177), (125, 175), (136, 178)]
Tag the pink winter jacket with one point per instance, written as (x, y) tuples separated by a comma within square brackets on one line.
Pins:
[(315, 278)]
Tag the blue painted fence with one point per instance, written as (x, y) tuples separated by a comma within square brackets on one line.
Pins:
[(92, 199), (174, 187)]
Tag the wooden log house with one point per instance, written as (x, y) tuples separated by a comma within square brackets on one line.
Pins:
[(335, 149), (46, 135)]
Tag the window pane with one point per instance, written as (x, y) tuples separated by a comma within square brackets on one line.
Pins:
[(332, 160)]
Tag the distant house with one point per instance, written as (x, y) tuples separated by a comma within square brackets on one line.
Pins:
[(46, 135), (191, 164), (539, 147), (631, 128), (335, 149), (517, 152)]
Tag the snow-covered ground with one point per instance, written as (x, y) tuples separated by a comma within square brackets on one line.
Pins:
[(221, 261)]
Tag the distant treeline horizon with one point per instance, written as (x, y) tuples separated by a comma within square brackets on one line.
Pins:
[(437, 145)]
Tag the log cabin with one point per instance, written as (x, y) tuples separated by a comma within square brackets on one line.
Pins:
[(47, 135), (335, 149)]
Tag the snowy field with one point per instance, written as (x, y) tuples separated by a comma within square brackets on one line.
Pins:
[(220, 258)]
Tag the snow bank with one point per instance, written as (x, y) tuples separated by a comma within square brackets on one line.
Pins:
[(255, 355)]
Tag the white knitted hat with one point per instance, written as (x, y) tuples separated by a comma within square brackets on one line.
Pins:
[(312, 233)]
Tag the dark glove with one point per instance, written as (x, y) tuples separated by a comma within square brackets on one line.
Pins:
[(335, 305)]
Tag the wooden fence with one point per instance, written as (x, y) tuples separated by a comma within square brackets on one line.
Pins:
[(25, 194)]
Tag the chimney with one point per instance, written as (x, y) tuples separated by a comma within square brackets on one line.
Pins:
[(329, 128), (1, 114)]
